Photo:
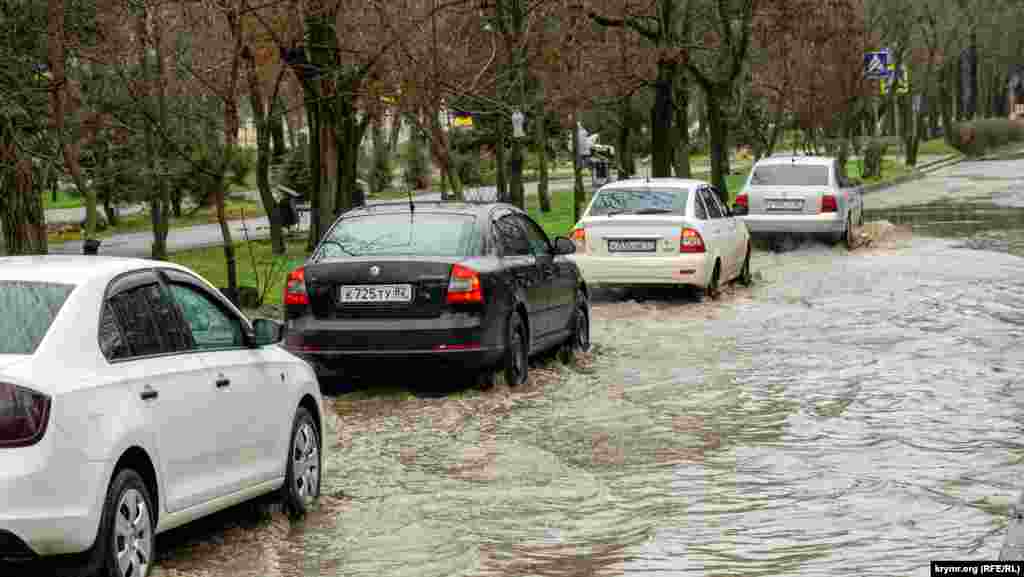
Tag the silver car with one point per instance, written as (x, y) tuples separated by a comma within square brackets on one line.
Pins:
[(800, 195)]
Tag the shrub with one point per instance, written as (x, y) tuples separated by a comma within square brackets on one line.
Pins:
[(467, 166), (977, 138), (874, 152)]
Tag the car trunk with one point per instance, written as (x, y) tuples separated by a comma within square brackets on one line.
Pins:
[(633, 235), (785, 199), (403, 287)]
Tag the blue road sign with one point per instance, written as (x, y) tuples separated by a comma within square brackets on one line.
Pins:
[(876, 65)]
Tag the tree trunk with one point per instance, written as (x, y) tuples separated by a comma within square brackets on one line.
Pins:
[(718, 133), (277, 128), (661, 120), (542, 158), (579, 196), (158, 250), (516, 173), (682, 106), (22, 218), (396, 130), (627, 166), (264, 134), (499, 164), (161, 225), (946, 104), (316, 223)]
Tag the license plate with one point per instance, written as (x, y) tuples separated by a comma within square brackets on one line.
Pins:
[(796, 204), (391, 293), (632, 245)]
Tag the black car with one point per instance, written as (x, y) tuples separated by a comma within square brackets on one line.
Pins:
[(476, 286)]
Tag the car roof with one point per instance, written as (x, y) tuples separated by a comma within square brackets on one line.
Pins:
[(812, 160), (72, 269), (687, 183), (428, 206)]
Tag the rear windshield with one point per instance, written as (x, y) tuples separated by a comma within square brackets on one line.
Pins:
[(790, 175), (610, 202), (418, 234), (27, 309)]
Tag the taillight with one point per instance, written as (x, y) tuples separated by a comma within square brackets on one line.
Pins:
[(741, 199), (579, 236), (295, 289), (24, 414), (828, 204), (464, 286), (690, 241)]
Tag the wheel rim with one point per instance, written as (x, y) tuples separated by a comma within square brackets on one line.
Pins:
[(133, 535), (582, 329), (306, 464), (518, 360)]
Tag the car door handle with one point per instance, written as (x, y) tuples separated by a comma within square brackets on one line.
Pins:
[(148, 393), (223, 382)]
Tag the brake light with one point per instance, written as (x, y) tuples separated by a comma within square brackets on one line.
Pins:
[(24, 414), (690, 241), (579, 236), (741, 200), (464, 286), (828, 204), (295, 289)]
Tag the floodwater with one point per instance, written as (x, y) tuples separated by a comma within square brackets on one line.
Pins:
[(853, 413)]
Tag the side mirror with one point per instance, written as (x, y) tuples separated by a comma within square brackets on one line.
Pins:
[(267, 332), (564, 246), (739, 210)]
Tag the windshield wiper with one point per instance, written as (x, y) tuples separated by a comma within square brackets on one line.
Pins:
[(654, 211)]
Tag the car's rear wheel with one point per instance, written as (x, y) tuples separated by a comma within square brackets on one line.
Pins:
[(302, 477), (517, 359), (125, 540), (579, 339), (712, 291), (746, 277)]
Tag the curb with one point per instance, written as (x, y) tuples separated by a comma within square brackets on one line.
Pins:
[(918, 173)]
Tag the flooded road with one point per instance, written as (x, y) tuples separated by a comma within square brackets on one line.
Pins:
[(850, 414)]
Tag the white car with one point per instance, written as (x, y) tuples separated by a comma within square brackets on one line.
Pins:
[(135, 398), (800, 195), (661, 231)]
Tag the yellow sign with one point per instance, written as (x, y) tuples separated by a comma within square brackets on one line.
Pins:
[(902, 82), (463, 121)]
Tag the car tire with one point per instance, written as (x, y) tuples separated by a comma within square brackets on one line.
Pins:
[(579, 337), (713, 290), (305, 464), (848, 234), (517, 357), (125, 542), (746, 278)]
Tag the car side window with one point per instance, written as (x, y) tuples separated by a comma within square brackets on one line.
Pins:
[(211, 327), (699, 209), (511, 236), (713, 209), (539, 243), (112, 341), (142, 334)]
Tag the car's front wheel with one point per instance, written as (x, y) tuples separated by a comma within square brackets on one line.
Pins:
[(517, 352), (713, 290), (746, 277), (302, 477), (125, 540)]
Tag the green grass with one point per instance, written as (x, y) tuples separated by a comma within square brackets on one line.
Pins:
[(64, 200), (937, 147), (891, 170), (560, 221), (260, 268)]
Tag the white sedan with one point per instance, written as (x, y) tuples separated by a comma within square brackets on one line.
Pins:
[(661, 231), (134, 398)]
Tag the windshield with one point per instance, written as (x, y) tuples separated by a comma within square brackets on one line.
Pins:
[(790, 175), (402, 234), (610, 202), (27, 310)]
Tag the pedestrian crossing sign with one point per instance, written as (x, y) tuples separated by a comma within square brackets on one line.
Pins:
[(876, 65)]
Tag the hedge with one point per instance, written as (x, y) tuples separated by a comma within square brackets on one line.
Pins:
[(977, 138)]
